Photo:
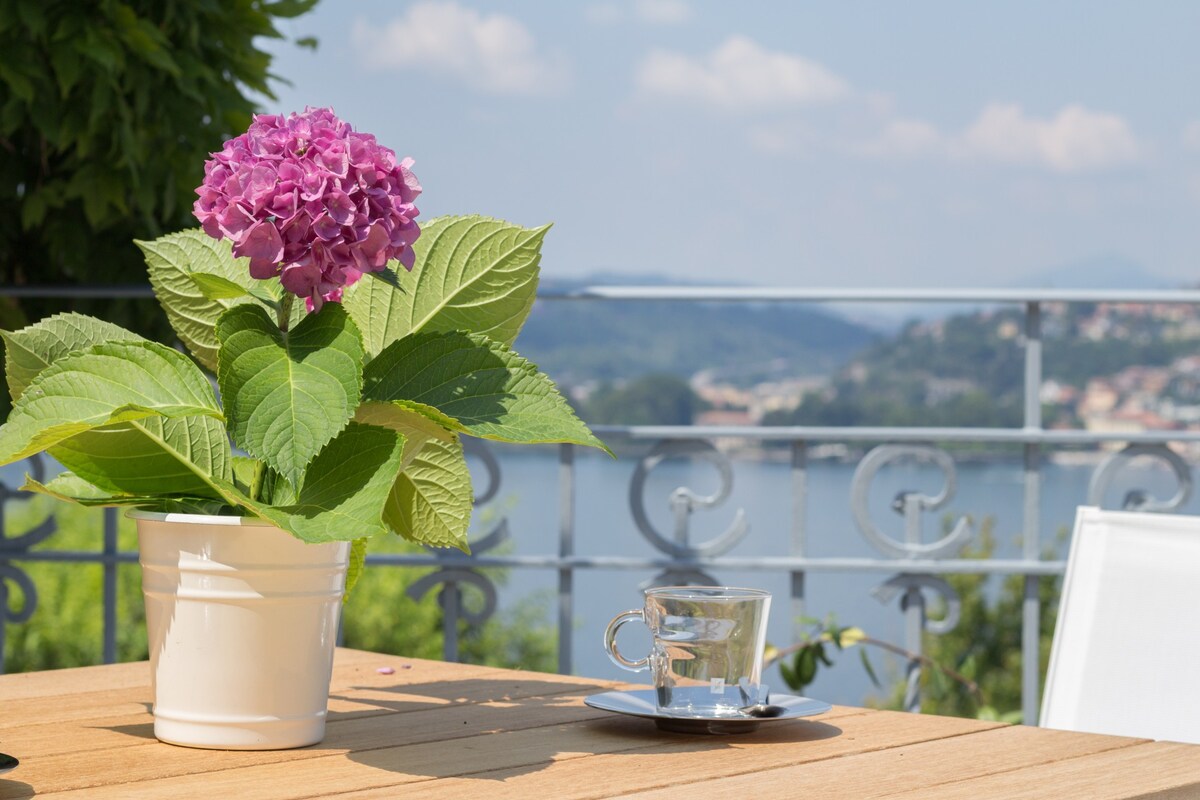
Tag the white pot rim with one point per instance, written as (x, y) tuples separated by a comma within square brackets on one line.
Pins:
[(201, 519)]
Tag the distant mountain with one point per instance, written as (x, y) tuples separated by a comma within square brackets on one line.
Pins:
[(1098, 272), (580, 341)]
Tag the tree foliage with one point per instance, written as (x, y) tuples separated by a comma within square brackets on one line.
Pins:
[(657, 399), (108, 110)]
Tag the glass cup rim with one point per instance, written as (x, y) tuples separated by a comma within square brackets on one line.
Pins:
[(717, 593)]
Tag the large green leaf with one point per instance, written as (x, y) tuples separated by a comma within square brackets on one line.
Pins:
[(105, 384), (152, 456), (356, 567), (74, 489), (33, 348), (287, 395), (345, 490), (419, 423), (471, 273), (190, 302), (431, 500), (484, 387)]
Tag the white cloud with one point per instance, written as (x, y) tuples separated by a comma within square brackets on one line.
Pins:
[(1191, 135), (784, 139), (905, 138), (740, 75), (663, 12), (1075, 140), (493, 53), (655, 12)]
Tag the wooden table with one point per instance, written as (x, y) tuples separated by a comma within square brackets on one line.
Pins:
[(431, 729)]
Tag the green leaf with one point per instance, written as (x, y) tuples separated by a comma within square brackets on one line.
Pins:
[(487, 389), (388, 276), (805, 665), (33, 348), (172, 261), (214, 287), (345, 491), (358, 563), (866, 662), (243, 472), (152, 456), (431, 500), (821, 655), (105, 384), (471, 273), (789, 677), (287, 395), (73, 489), (414, 420)]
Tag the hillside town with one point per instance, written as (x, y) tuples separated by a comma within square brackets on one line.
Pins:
[(1136, 397)]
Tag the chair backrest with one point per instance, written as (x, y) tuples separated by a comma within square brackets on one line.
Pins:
[(1126, 654)]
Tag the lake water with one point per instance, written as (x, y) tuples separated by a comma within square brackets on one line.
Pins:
[(605, 526)]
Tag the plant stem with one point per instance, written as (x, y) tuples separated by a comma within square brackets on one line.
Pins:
[(260, 470), (970, 685), (285, 310)]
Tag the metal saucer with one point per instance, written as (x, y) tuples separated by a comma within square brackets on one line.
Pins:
[(642, 703)]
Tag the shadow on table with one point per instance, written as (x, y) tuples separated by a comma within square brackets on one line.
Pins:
[(142, 730), (14, 790), (529, 724)]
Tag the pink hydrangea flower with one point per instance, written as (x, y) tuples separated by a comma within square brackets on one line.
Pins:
[(310, 201)]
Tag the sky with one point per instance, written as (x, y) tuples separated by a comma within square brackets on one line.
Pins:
[(796, 144)]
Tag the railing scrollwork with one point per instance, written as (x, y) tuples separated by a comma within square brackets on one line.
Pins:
[(683, 503), (453, 579), (1141, 499), (14, 547), (909, 504)]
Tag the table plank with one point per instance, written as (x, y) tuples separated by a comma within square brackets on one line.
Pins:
[(96, 755), (885, 773), (442, 730), (425, 760), (630, 755), (95, 695), (1138, 771)]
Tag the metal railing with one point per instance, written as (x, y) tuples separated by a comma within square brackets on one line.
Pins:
[(915, 570)]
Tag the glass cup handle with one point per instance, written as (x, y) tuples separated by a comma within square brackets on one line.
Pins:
[(610, 641)]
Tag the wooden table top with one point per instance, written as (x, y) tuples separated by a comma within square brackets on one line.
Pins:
[(433, 729)]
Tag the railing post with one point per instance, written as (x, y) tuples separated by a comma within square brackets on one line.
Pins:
[(110, 585), (1031, 617), (450, 598), (566, 549), (914, 630), (799, 531), (3, 615)]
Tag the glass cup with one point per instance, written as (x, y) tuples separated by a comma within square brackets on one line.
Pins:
[(707, 651)]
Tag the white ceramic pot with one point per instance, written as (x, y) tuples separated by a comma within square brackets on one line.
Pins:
[(242, 621)]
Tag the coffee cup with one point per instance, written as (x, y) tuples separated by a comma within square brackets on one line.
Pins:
[(707, 647)]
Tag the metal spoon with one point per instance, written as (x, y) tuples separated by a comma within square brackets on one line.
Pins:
[(7, 762)]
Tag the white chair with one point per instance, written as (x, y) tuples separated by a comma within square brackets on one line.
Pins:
[(1126, 654)]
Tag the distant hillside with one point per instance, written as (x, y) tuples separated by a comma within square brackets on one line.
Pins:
[(1099, 272), (579, 341)]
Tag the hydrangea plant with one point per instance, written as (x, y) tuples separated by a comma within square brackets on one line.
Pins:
[(346, 410)]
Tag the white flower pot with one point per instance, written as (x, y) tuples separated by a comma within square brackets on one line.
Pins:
[(242, 621)]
